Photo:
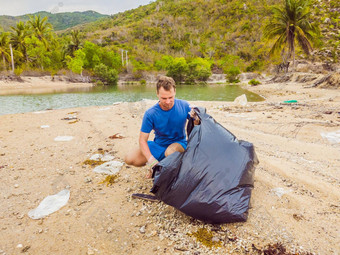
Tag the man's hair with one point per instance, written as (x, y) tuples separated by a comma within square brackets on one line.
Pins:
[(166, 83)]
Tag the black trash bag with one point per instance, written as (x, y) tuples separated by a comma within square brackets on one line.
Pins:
[(213, 179)]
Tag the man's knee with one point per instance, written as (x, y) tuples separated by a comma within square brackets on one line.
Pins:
[(173, 148), (135, 158)]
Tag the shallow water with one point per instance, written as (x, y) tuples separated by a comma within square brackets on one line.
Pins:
[(104, 95)]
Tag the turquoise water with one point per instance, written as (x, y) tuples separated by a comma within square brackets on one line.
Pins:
[(11, 104)]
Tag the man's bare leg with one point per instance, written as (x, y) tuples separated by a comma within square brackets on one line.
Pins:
[(135, 158), (173, 148)]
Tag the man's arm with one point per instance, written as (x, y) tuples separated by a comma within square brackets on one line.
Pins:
[(144, 147), (143, 144)]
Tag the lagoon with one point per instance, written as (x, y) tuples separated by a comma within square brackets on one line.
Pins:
[(104, 95)]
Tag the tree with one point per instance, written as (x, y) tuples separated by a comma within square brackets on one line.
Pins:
[(75, 42), (291, 23), (76, 64), (4, 48), (20, 32), (41, 28)]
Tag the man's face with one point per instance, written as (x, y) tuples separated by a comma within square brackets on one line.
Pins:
[(166, 98)]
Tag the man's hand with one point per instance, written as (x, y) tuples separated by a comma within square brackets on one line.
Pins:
[(193, 115), (151, 163)]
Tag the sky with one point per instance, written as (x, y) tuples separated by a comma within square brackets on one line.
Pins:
[(21, 7)]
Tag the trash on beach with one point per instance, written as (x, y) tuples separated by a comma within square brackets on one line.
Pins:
[(281, 191), (101, 157), (40, 112), (111, 167), (116, 136), (290, 101), (213, 180), (50, 204), (241, 100), (104, 109), (333, 137), (63, 138), (44, 126), (70, 118)]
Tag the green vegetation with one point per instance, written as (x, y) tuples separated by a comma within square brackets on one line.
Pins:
[(254, 82), (291, 23), (59, 21), (188, 40)]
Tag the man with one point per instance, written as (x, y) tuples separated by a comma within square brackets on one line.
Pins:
[(167, 118)]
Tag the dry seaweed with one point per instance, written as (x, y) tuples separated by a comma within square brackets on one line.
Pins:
[(276, 249), (109, 180), (206, 238), (93, 162)]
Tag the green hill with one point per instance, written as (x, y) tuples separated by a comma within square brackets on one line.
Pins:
[(60, 21), (227, 31)]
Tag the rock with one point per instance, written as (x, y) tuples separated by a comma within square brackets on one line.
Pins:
[(88, 180), (142, 230)]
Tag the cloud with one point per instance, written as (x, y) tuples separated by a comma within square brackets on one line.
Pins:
[(20, 7)]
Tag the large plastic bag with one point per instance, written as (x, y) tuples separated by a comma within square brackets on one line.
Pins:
[(213, 179), (50, 204)]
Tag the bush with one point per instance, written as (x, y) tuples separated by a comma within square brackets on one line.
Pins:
[(232, 73), (178, 69), (254, 82), (110, 76), (255, 65)]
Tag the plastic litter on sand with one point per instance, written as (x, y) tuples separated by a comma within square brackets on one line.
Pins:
[(280, 191), (63, 138), (333, 137), (111, 167), (50, 204), (105, 157)]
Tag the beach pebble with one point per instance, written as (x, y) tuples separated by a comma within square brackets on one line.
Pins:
[(88, 180), (142, 230)]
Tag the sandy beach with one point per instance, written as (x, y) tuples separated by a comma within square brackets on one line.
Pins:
[(295, 201)]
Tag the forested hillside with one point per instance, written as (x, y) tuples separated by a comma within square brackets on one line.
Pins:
[(187, 39), (212, 29), (59, 21)]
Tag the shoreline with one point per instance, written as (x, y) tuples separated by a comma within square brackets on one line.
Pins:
[(294, 201)]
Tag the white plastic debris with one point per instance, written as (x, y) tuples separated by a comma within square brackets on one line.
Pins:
[(104, 109), (105, 157), (44, 126), (281, 191), (50, 204), (333, 137), (63, 138), (111, 167), (241, 100)]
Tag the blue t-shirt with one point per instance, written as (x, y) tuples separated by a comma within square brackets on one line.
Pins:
[(169, 126)]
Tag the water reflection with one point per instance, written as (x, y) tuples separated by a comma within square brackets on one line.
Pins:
[(104, 95)]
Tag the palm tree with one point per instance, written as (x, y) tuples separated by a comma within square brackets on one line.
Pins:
[(41, 28), (292, 24), (20, 32), (4, 48), (74, 43)]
